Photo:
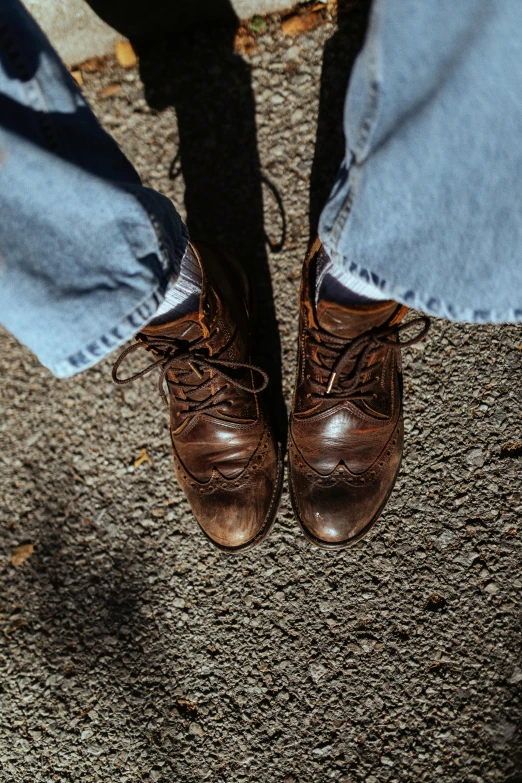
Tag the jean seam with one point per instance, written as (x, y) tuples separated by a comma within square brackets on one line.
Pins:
[(366, 127), (153, 298)]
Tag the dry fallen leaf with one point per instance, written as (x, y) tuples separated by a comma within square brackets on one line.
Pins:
[(244, 42), (21, 553), (125, 54), (78, 78), (144, 457), (299, 23), (110, 90)]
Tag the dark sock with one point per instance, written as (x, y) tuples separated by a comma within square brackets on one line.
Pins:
[(334, 284)]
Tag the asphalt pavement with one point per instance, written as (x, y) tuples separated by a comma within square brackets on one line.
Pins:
[(131, 649)]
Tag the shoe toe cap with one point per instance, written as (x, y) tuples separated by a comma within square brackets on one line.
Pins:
[(231, 519), (338, 509), (237, 513)]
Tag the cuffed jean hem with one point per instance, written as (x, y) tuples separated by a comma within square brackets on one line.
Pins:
[(423, 302), (95, 350), (427, 205)]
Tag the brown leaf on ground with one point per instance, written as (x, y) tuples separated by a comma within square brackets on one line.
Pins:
[(186, 708), (78, 78), (144, 457), (125, 54), (21, 553), (244, 42), (110, 90), (300, 23)]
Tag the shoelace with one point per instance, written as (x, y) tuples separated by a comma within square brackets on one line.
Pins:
[(173, 352), (357, 385)]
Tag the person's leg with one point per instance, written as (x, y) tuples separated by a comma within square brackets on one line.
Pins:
[(86, 252), (334, 284), (426, 212), (427, 206)]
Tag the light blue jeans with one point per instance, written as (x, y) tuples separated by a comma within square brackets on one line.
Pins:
[(86, 251), (427, 205)]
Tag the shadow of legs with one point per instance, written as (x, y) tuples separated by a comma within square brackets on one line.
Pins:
[(189, 63), (338, 59)]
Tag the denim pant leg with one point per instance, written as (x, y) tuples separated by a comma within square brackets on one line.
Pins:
[(86, 251), (428, 203)]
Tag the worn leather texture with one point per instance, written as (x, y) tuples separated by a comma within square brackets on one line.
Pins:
[(346, 425), (225, 453)]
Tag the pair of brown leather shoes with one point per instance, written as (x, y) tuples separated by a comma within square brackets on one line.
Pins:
[(346, 428)]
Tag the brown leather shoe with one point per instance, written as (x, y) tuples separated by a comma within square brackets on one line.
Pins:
[(226, 457), (346, 427)]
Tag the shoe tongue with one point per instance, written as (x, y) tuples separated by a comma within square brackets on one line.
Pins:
[(350, 321), (188, 327)]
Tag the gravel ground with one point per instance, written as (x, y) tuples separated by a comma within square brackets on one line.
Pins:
[(132, 650)]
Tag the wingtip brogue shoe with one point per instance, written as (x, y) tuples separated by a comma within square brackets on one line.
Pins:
[(346, 426), (226, 457)]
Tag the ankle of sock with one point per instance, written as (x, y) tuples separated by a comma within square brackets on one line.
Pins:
[(182, 296), (334, 284)]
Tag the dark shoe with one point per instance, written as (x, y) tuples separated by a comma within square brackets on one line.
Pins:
[(225, 454), (346, 427)]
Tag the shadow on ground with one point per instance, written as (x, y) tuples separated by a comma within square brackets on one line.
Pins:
[(187, 61), (339, 56)]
